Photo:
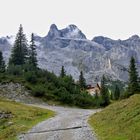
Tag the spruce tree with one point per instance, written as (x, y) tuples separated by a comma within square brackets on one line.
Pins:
[(20, 50), (63, 72), (82, 81), (133, 85), (116, 93), (97, 99), (32, 53), (2, 63), (104, 92)]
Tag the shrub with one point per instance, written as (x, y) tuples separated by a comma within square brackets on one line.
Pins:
[(31, 77), (83, 100), (64, 96), (38, 91)]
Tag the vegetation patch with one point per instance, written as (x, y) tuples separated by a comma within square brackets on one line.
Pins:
[(17, 118), (118, 121)]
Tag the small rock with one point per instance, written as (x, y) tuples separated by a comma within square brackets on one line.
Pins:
[(10, 123)]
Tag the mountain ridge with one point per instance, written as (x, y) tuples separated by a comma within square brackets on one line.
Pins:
[(71, 48)]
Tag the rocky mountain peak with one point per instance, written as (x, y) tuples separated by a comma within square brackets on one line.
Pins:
[(72, 31), (72, 27), (53, 32), (134, 37), (53, 27), (100, 39)]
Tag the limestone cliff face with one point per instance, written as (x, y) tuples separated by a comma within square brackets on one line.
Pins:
[(71, 48)]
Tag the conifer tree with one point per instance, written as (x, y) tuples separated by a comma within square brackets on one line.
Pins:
[(82, 81), (133, 85), (32, 53), (2, 63), (116, 93), (20, 50), (97, 99), (63, 72), (104, 92)]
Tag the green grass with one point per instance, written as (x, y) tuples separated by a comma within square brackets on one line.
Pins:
[(118, 121), (24, 118)]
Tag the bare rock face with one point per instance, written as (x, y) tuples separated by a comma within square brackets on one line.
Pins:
[(5, 115), (71, 48), (17, 92)]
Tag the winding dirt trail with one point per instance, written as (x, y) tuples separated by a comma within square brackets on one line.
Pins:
[(68, 124)]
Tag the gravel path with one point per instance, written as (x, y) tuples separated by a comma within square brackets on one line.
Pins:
[(68, 124)]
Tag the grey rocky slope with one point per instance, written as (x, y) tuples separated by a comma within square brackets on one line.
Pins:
[(18, 93), (71, 48)]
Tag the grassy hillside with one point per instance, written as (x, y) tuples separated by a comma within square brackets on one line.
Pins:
[(20, 118), (118, 121)]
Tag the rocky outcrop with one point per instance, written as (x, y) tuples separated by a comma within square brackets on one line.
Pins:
[(5, 115), (17, 92)]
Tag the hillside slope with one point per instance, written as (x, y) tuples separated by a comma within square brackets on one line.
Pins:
[(119, 121)]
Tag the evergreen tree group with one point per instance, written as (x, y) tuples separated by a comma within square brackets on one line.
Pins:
[(116, 93), (104, 92), (32, 53), (63, 72), (2, 63), (23, 56), (133, 85), (82, 81), (19, 51)]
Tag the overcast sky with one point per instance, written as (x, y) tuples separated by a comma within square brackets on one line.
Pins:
[(112, 18)]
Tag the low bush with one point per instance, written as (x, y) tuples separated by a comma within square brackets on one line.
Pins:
[(31, 77), (38, 90)]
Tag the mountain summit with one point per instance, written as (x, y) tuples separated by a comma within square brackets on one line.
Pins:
[(70, 48), (72, 31)]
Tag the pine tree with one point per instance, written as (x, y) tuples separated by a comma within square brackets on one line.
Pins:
[(2, 63), (82, 81), (32, 53), (63, 72), (97, 99), (20, 50), (133, 85), (116, 93), (104, 92)]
